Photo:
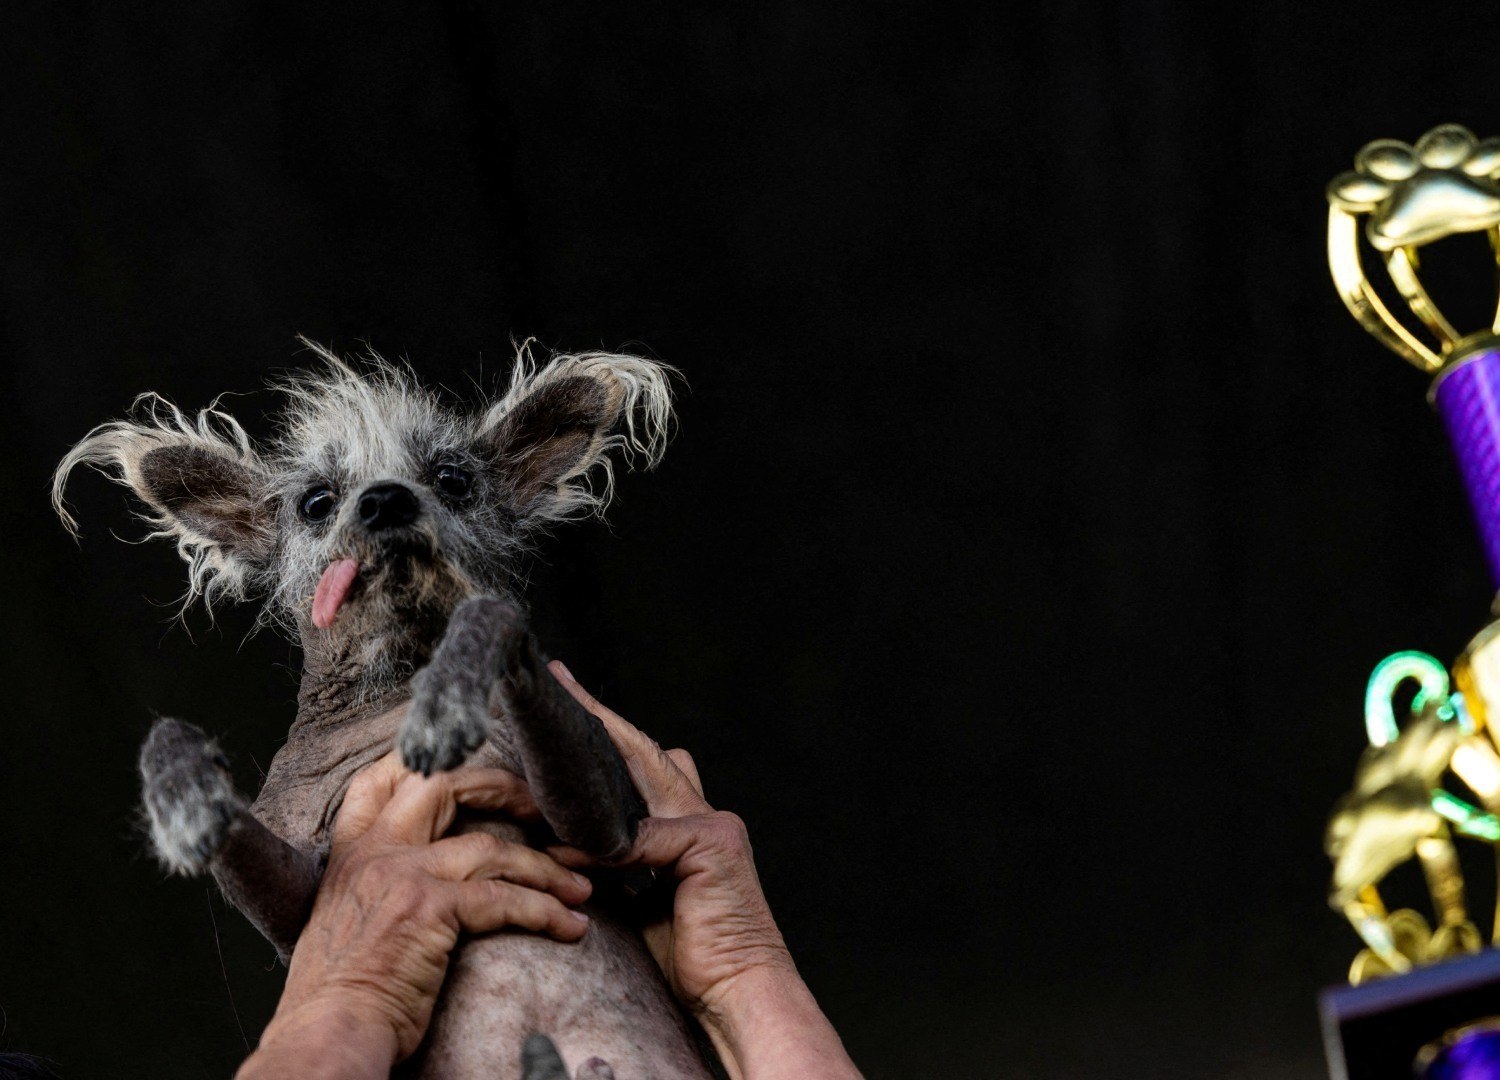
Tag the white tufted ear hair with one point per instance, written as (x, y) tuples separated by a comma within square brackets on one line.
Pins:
[(557, 428), (203, 483)]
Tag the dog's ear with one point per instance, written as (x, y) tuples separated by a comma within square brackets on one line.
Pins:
[(558, 427), (203, 484)]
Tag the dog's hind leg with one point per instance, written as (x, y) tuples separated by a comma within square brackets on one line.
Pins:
[(541, 1061), (200, 822)]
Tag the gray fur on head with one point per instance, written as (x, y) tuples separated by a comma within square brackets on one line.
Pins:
[(542, 452)]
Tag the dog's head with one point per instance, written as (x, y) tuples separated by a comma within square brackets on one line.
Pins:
[(377, 507)]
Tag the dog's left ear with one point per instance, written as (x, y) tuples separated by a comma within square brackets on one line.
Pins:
[(202, 482), (555, 426)]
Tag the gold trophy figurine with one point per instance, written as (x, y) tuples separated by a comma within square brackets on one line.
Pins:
[(1434, 778), (1409, 196)]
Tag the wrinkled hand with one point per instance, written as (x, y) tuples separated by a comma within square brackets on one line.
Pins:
[(720, 929), (368, 967), (720, 948)]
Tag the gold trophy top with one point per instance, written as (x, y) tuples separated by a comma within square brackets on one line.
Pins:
[(1410, 196)]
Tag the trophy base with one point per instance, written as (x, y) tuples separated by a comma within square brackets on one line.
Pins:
[(1377, 1030)]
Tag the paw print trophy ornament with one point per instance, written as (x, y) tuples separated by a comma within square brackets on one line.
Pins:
[(1424, 998)]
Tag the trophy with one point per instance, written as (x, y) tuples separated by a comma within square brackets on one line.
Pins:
[(1424, 995)]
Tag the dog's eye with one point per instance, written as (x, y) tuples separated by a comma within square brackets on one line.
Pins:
[(454, 482), (318, 503)]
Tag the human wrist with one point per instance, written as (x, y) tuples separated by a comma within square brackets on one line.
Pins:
[(327, 1039), (766, 1025)]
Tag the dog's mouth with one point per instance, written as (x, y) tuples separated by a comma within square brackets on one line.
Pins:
[(406, 570), (333, 590)]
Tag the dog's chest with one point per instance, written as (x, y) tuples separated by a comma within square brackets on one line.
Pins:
[(306, 781)]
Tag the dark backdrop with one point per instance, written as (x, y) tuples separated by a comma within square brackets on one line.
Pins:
[(1036, 515)]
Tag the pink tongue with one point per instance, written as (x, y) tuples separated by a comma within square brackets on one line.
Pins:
[(333, 588)]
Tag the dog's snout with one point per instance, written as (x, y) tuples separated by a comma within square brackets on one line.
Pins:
[(388, 506)]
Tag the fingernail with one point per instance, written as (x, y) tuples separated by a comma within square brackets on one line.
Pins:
[(582, 882), (563, 669), (580, 916)]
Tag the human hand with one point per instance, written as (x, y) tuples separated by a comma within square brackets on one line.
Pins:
[(720, 927), (720, 949), (367, 969)]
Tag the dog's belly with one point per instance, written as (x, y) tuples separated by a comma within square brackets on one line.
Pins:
[(600, 997)]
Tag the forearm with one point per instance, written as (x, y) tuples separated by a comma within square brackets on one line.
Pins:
[(768, 1026), (322, 1045)]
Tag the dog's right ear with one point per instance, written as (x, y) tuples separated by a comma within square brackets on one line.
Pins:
[(556, 425), (203, 484)]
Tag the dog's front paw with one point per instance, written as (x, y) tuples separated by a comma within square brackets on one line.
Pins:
[(447, 719), (189, 797)]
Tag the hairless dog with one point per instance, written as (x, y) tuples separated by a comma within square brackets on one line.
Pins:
[(382, 528)]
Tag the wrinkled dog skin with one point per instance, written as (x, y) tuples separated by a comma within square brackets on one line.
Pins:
[(381, 527)]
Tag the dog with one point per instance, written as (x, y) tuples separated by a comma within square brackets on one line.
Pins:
[(382, 527)]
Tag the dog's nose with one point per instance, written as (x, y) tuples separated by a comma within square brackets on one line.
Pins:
[(388, 506)]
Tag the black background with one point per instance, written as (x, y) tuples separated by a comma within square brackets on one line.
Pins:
[(1036, 515)]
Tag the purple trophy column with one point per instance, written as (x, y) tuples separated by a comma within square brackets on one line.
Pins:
[(1468, 396)]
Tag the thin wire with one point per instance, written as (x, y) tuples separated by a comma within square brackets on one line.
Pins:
[(209, 896)]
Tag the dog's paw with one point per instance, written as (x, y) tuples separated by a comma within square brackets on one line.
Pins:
[(540, 1059), (189, 797), (446, 721)]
